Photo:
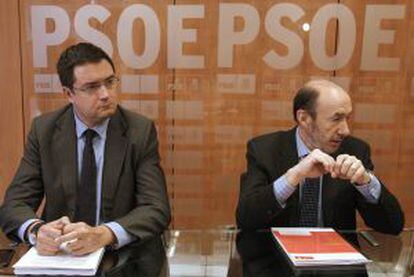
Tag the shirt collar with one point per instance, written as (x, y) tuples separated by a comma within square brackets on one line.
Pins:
[(302, 149), (81, 127)]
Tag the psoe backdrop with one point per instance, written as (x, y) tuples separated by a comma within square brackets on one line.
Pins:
[(212, 74)]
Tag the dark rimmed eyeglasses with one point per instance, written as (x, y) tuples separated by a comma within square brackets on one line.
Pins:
[(92, 88)]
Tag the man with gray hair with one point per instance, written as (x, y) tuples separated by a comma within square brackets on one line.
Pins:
[(316, 174)]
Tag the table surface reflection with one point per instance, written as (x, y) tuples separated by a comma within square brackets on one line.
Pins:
[(235, 253), (227, 252)]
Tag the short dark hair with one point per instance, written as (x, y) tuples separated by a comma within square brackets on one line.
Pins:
[(79, 54), (305, 99)]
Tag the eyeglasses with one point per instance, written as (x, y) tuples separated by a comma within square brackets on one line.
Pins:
[(93, 88)]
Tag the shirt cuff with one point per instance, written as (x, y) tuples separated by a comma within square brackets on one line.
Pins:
[(371, 191), (122, 236), (23, 228), (282, 190)]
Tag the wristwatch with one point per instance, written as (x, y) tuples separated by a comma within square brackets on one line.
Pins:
[(32, 235)]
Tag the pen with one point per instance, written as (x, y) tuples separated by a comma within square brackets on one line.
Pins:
[(368, 237)]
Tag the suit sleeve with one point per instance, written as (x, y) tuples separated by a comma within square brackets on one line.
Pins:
[(257, 205), (25, 192), (152, 212), (385, 216)]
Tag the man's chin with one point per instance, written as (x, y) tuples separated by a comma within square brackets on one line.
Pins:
[(331, 148), (108, 111)]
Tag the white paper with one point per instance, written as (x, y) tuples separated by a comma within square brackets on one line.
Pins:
[(63, 264)]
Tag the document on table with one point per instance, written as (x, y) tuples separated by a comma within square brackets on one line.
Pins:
[(60, 264), (317, 247)]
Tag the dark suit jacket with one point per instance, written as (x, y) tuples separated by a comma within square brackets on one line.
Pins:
[(133, 184), (270, 156)]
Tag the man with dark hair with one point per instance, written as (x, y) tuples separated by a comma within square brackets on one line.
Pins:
[(79, 54), (316, 174), (95, 163)]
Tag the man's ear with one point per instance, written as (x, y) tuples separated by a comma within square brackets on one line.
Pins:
[(68, 93), (304, 118)]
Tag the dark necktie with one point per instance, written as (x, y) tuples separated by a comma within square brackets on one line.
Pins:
[(309, 203), (86, 191)]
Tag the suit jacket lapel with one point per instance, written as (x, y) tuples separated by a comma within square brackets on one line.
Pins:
[(65, 147), (329, 193), (115, 150), (289, 153)]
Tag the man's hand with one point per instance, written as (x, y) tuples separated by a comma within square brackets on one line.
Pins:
[(350, 168), (313, 165), (46, 237), (83, 239)]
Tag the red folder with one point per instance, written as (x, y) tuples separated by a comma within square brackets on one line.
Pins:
[(316, 246), (317, 242)]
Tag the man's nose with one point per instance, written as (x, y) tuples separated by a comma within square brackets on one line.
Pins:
[(344, 130), (103, 92)]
